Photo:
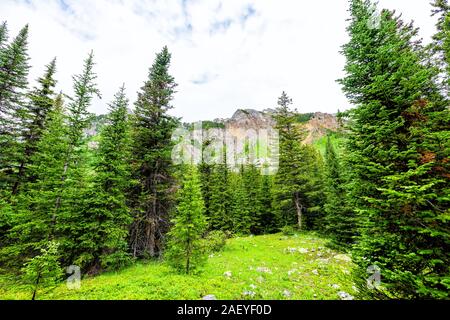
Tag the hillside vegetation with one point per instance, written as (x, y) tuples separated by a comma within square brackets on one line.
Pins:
[(255, 267)]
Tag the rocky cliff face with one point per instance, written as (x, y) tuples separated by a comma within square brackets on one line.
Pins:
[(244, 119), (319, 125)]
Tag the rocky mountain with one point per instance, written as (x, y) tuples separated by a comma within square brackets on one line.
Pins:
[(245, 119), (317, 124)]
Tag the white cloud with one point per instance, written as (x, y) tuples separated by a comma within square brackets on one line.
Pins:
[(226, 54)]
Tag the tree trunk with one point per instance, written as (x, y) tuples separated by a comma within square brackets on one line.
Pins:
[(15, 188), (150, 236), (299, 208), (36, 286), (188, 255)]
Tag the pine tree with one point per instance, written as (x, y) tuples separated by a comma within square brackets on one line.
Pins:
[(339, 219), (43, 270), (152, 127), (13, 82), (34, 118), (441, 43), (205, 171), (267, 220), (289, 201), (401, 206), (220, 211), (184, 248), (240, 214), (74, 176), (313, 187), (251, 179), (35, 216), (106, 216), (3, 38), (85, 89), (49, 206)]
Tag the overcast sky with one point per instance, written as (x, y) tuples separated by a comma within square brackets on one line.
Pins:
[(226, 54)]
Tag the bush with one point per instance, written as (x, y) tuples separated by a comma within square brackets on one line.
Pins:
[(215, 240), (288, 230), (116, 261), (43, 270)]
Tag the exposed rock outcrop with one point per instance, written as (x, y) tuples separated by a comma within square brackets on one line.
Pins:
[(245, 119), (319, 125)]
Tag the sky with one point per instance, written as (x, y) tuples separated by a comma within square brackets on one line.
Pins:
[(226, 54)]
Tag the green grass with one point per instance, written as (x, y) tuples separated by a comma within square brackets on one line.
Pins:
[(336, 139), (281, 275)]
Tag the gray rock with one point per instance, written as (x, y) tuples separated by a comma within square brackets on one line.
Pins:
[(345, 296)]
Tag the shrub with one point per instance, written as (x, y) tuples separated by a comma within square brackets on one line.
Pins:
[(43, 270), (215, 240), (288, 230)]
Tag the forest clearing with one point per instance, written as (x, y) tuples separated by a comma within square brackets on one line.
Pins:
[(256, 267)]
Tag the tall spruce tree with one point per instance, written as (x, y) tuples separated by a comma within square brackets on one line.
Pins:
[(441, 43), (220, 213), (106, 217), (289, 200), (13, 83), (267, 220), (34, 216), (313, 187), (75, 183), (241, 219), (251, 179), (41, 101), (205, 171), (339, 218), (49, 206), (3, 37), (184, 248), (152, 127), (401, 206)]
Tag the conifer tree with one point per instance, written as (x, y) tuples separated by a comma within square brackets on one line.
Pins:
[(43, 270), (13, 83), (313, 187), (184, 248), (397, 189), (106, 215), (35, 216), (267, 220), (74, 176), (339, 219), (251, 179), (220, 200), (241, 219), (152, 128), (34, 118), (3, 38), (441, 43), (289, 200), (49, 206), (205, 171)]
